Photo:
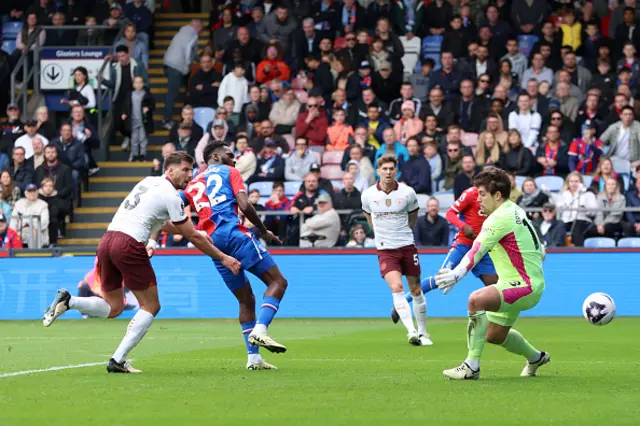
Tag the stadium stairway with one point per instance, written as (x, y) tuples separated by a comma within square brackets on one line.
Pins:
[(117, 176)]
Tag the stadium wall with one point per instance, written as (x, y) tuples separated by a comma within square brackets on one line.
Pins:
[(331, 284)]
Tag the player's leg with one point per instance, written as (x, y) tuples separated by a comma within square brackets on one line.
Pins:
[(394, 279), (247, 318), (419, 309), (276, 287), (488, 279)]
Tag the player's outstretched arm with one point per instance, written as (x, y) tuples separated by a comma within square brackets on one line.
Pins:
[(203, 243), (250, 212)]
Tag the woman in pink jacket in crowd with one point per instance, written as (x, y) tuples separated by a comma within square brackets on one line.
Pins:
[(409, 125)]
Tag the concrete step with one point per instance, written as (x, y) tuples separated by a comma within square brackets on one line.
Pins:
[(121, 183), (86, 233), (79, 241), (112, 174), (88, 226), (93, 214), (103, 198), (168, 34), (165, 43), (186, 17)]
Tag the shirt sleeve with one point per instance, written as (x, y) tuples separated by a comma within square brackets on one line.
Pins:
[(573, 148), (237, 184), (463, 202), (175, 207), (412, 201)]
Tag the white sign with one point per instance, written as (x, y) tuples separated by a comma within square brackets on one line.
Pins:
[(57, 66)]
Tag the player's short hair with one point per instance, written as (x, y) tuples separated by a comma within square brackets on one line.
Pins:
[(387, 158), (494, 180), (212, 147), (177, 158)]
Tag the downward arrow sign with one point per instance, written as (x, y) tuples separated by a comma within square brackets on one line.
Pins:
[(52, 74)]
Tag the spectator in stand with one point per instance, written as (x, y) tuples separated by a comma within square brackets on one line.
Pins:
[(9, 239), (256, 26), (627, 30), (376, 125), (11, 129), (571, 30), (488, 152), (136, 44), (619, 102), (284, 112), (605, 80), (71, 151), (25, 42), (575, 196), (392, 146), (57, 171), (277, 202), (141, 16), (527, 15), (538, 71), (261, 108), (406, 95), (553, 155), (585, 152), (517, 159), (157, 169), (453, 165), (632, 225), (187, 114), (360, 183), (45, 126), (623, 138), (409, 125), (115, 21), (455, 38), (44, 10), (526, 122), (339, 134), (447, 77), (26, 141), (90, 37), (421, 81), (177, 63), (431, 230), (589, 115), (120, 81), (138, 115), (270, 166), (357, 153), (4, 162), (349, 197), (495, 126), (249, 47), (438, 14), (552, 232), (219, 131), (568, 104), (267, 132), (482, 63), (236, 86), (464, 180), (21, 170), (608, 223), (303, 202), (273, 66), (532, 197), (416, 171), (277, 28), (442, 111), (430, 151), (60, 37), (38, 153), (300, 161), (325, 223), (85, 133), (313, 124), (603, 172), (306, 42), (469, 109), (25, 215), (539, 103), (384, 84), (518, 60), (226, 32), (57, 209), (11, 192), (246, 161), (378, 54), (358, 237), (630, 62), (184, 140)]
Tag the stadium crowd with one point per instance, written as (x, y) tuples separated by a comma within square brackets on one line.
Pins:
[(313, 92)]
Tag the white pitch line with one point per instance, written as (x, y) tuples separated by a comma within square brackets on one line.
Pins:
[(44, 370)]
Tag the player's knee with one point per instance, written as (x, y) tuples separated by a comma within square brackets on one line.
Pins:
[(116, 310), (495, 338), (282, 283), (474, 302)]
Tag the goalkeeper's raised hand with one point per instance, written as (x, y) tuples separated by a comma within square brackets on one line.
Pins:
[(446, 279)]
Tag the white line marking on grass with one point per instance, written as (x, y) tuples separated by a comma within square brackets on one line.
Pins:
[(44, 370)]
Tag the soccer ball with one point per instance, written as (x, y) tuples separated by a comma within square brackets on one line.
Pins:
[(599, 309)]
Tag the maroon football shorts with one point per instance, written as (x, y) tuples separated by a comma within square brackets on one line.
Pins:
[(404, 260)]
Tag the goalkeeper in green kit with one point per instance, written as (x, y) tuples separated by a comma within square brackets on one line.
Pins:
[(517, 254)]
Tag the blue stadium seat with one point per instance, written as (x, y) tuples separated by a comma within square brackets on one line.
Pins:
[(264, 188), (630, 242), (625, 179), (203, 116), (291, 188), (422, 201), (587, 180), (446, 199), (8, 46), (526, 43), (431, 44), (600, 242), (520, 181), (337, 184), (552, 183), (10, 30)]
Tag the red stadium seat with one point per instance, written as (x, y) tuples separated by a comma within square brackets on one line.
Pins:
[(331, 172), (332, 157), (290, 141), (470, 139), (339, 43)]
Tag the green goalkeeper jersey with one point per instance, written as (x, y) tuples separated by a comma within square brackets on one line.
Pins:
[(514, 246)]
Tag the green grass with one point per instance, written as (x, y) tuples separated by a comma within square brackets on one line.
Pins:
[(336, 372)]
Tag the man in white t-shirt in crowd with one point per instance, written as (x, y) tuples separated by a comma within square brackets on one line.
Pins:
[(123, 257), (391, 210), (26, 141), (525, 121)]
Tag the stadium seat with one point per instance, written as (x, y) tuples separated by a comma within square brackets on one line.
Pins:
[(331, 172), (411, 53), (630, 242), (264, 188), (469, 139), (337, 185), (8, 46), (291, 141), (339, 43), (520, 181), (526, 43), (422, 201), (587, 180), (445, 199), (10, 30), (291, 188), (319, 149), (599, 242), (625, 179), (203, 116), (552, 183), (332, 157), (431, 44), (263, 201)]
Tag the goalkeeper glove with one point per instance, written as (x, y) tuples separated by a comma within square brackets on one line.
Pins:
[(446, 279)]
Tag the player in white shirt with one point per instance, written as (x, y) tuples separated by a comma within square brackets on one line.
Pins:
[(391, 210), (124, 251)]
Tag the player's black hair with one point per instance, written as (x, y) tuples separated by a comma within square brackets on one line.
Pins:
[(494, 180), (177, 158), (210, 148)]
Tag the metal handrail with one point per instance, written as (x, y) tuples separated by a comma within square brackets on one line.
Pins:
[(35, 223)]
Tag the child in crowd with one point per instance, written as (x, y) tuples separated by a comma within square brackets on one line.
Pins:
[(339, 132), (138, 117)]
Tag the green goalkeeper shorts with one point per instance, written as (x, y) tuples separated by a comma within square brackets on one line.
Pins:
[(516, 296)]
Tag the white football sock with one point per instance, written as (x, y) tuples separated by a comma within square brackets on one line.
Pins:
[(92, 306), (420, 312), (404, 311), (473, 363), (255, 358), (259, 329), (136, 330)]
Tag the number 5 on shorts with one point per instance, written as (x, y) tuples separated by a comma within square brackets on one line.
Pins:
[(416, 261)]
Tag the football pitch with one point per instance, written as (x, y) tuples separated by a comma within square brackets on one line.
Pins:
[(336, 372)]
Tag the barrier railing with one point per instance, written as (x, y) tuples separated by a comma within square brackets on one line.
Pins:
[(34, 223)]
